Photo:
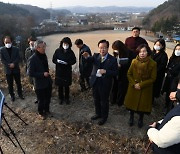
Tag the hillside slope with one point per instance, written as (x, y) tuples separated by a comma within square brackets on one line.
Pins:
[(166, 10)]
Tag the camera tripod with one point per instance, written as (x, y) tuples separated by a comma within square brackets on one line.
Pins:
[(11, 130)]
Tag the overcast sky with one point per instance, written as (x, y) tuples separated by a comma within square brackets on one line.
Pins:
[(64, 3)]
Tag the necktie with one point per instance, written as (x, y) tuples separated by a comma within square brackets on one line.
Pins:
[(102, 59)]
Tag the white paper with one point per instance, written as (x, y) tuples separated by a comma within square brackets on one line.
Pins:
[(61, 62), (98, 74)]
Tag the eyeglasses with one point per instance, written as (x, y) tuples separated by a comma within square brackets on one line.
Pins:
[(104, 48)]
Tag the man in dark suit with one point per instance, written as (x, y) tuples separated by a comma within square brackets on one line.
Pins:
[(104, 68), (38, 69), (10, 58)]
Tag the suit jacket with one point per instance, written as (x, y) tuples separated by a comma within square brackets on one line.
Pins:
[(6, 60), (36, 70), (110, 65)]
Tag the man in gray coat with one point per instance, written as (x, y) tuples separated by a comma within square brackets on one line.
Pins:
[(10, 58)]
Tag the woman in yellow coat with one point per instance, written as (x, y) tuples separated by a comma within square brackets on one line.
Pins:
[(141, 75)]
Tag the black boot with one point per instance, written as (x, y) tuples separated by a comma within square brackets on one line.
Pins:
[(131, 119), (140, 122)]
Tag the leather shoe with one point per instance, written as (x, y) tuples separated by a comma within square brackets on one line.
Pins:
[(95, 117), (102, 121), (12, 98)]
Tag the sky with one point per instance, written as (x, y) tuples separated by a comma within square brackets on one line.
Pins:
[(100, 3)]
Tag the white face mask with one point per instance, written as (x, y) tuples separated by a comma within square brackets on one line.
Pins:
[(65, 46), (8, 45), (157, 47), (177, 52), (116, 51)]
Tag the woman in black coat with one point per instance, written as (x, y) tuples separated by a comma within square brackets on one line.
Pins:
[(160, 57), (173, 69), (64, 58), (120, 84)]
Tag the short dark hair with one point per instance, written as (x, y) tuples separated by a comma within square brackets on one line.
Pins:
[(144, 46), (104, 41), (137, 28), (66, 40), (78, 42)]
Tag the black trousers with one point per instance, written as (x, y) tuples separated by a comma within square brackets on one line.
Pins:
[(119, 91), (10, 81), (44, 99), (62, 90), (101, 99), (122, 90), (82, 83)]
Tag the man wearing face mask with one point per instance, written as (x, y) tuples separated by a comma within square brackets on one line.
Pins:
[(64, 58), (10, 58)]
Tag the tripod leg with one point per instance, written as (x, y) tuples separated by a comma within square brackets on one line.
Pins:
[(1, 150), (12, 132), (15, 114), (7, 134)]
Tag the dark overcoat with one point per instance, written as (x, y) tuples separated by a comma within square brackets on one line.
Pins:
[(64, 72), (173, 69), (85, 67), (36, 70), (161, 59)]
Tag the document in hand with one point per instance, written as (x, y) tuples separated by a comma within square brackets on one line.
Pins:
[(61, 62)]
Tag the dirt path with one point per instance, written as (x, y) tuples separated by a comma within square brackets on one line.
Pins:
[(70, 130)]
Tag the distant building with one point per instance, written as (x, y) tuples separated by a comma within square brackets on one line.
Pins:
[(83, 22)]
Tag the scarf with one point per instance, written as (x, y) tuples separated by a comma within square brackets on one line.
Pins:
[(43, 59), (141, 67)]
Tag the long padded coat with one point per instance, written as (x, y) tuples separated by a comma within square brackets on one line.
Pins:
[(140, 100), (64, 72)]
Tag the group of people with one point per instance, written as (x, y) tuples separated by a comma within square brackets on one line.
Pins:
[(132, 76)]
